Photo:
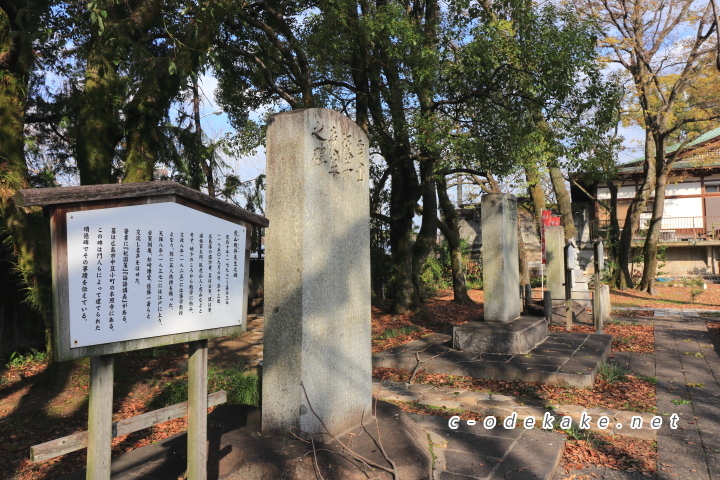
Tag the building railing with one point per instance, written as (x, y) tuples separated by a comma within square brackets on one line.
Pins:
[(673, 229)]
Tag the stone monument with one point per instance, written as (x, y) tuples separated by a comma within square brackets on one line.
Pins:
[(317, 355), (503, 329), (554, 252), (501, 270)]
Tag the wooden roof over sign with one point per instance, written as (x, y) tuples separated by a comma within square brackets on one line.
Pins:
[(119, 191)]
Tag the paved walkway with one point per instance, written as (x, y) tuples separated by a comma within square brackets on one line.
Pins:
[(688, 369), (686, 364)]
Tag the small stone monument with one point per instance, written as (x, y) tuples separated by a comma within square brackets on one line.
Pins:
[(554, 248), (317, 355), (503, 329)]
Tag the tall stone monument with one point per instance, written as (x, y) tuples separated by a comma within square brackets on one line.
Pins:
[(501, 269), (317, 274), (503, 329)]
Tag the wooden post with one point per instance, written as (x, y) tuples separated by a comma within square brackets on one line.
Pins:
[(197, 411), (100, 417)]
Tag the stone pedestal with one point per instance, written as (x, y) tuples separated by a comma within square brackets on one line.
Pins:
[(581, 291), (555, 263), (605, 305), (503, 330), (518, 336), (501, 272), (317, 275)]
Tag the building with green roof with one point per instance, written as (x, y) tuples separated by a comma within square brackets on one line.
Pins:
[(691, 223)]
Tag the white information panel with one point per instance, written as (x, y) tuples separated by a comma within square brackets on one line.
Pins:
[(150, 270)]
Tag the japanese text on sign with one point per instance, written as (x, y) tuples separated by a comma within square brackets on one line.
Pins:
[(150, 270)]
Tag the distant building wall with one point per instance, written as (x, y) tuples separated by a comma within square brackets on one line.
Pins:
[(690, 260)]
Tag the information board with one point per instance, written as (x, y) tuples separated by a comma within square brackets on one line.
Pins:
[(151, 270)]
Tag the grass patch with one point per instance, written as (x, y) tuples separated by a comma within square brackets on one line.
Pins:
[(18, 359), (578, 434), (652, 380), (241, 385), (632, 313), (396, 332), (612, 373)]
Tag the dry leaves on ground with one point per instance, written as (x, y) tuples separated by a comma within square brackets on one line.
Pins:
[(626, 337), (440, 314), (615, 452), (713, 327), (632, 313), (668, 297), (32, 413), (631, 393)]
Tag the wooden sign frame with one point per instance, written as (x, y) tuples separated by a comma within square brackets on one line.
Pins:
[(64, 200)]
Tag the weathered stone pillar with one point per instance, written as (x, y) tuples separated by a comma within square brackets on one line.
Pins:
[(501, 273), (555, 262), (317, 274), (503, 330)]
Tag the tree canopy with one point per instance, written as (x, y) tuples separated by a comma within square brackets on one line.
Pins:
[(107, 91)]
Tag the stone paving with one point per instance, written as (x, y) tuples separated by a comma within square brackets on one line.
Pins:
[(561, 359), (688, 369), (473, 452), (502, 406), (686, 364)]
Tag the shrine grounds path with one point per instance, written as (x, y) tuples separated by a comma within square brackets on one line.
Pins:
[(686, 363)]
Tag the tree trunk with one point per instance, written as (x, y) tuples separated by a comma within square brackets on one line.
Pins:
[(632, 221), (564, 202), (427, 235), (205, 163), (613, 236), (143, 117), (403, 199), (405, 188), (451, 230), (650, 249), (25, 231), (536, 194)]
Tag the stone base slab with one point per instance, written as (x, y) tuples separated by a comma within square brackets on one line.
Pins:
[(561, 359), (238, 451), (517, 336)]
